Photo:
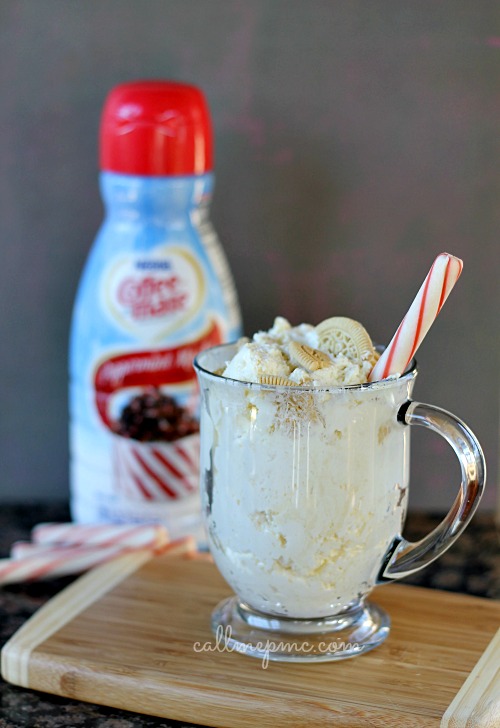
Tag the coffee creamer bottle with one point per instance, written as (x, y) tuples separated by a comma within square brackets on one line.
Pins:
[(156, 290)]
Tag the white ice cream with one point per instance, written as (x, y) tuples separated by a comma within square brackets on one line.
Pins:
[(305, 489)]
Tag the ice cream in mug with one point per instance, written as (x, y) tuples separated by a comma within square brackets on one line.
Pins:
[(296, 503), (305, 475)]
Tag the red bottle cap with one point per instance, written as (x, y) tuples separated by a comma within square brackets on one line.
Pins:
[(156, 128)]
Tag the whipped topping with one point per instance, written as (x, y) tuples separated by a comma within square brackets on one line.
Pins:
[(268, 354)]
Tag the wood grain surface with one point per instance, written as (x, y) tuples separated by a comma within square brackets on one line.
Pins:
[(135, 634)]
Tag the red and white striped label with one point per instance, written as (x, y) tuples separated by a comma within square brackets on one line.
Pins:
[(158, 471)]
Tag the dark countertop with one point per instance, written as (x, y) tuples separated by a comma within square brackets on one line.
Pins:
[(472, 565)]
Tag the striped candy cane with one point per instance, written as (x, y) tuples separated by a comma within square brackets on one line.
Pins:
[(101, 534), (45, 563), (428, 302)]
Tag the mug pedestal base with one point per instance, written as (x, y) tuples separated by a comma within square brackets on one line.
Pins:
[(238, 628)]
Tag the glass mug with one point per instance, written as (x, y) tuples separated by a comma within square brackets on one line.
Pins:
[(304, 492)]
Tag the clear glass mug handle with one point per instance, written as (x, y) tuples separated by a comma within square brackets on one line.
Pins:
[(405, 557)]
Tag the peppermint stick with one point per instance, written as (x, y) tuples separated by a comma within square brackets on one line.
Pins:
[(428, 302)]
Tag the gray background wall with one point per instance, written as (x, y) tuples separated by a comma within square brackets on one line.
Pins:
[(355, 141)]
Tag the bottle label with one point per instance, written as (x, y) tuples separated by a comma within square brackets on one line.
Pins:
[(123, 374), (152, 296)]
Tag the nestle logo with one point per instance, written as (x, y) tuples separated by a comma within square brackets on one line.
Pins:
[(153, 265)]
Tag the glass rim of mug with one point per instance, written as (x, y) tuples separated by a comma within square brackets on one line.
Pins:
[(409, 374)]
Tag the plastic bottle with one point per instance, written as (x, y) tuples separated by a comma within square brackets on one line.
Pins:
[(155, 290)]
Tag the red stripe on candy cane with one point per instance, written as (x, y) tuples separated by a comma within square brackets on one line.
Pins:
[(390, 357), (445, 285), (422, 310)]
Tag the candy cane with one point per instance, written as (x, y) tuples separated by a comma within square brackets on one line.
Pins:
[(56, 562), (101, 534), (21, 549), (428, 302)]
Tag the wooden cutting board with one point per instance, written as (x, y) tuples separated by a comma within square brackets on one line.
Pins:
[(123, 635)]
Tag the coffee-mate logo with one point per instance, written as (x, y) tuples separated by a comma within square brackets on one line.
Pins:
[(152, 295)]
